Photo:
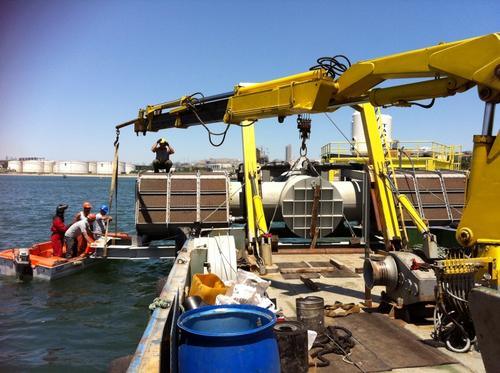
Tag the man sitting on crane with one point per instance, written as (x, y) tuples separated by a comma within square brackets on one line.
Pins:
[(163, 150)]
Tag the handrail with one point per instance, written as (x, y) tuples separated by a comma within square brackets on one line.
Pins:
[(423, 151)]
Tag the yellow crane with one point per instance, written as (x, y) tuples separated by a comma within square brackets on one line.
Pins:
[(445, 69), (437, 71)]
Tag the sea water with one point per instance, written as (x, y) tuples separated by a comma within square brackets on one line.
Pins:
[(81, 322)]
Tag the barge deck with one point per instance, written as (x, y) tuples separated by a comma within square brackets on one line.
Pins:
[(157, 349)]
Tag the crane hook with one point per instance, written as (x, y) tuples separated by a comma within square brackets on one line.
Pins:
[(304, 127)]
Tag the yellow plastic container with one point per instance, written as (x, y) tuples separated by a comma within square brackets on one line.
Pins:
[(207, 287)]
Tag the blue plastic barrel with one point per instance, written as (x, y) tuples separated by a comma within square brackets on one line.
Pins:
[(230, 338)]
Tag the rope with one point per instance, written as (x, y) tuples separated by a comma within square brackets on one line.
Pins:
[(224, 257), (343, 135), (159, 303), (353, 234), (113, 190), (331, 341)]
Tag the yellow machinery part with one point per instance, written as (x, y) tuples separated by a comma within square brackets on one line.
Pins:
[(256, 222), (481, 217), (414, 214), (492, 254), (305, 92), (484, 265), (467, 62), (385, 198), (452, 67)]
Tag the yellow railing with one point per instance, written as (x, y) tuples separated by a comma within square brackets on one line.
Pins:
[(428, 155)]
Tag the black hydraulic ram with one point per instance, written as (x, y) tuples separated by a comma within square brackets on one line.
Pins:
[(210, 109)]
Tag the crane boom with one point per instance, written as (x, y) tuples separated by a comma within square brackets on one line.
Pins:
[(453, 67)]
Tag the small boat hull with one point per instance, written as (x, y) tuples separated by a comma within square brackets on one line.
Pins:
[(47, 273), (38, 262)]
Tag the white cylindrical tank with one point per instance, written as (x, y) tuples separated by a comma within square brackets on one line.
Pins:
[(387, 122), (291, 201), (16, 166), (48, 167), (71, 167), (358, 135), (104, 168), (92, 167), (33, 167), (129, 168), (121, 167)]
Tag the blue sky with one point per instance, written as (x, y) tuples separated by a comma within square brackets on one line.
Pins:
[(71, 70)]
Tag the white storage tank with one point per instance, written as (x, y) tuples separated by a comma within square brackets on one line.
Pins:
[(16, 166), (121, 167), (358, 135), (92, 167), (71, 167), (48, 167), (129, 168), (104, 168), (33, 167)]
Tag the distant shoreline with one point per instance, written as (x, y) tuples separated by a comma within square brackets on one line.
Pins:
[(68, 175)]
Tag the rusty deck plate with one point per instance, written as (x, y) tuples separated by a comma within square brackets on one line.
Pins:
[(381, 345)]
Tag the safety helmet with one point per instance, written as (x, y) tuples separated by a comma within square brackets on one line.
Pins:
[(87, 205), (61, 207), (163, 140), (105, 209), (91, 217)]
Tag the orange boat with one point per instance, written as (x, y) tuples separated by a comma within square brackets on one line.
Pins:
[(39, 262)]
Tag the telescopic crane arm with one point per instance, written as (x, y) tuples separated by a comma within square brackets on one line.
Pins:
[(442, 70), (453, 67)]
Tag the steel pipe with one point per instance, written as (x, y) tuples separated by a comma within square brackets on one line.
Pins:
[(488, 119)]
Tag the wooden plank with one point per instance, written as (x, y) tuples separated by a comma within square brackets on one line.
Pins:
[(327, 250), (314, 238), (292, 265), (309, 283), (296, 276), (306, 270), (339, 273), (337, 263), (322, 263), (313, 232)]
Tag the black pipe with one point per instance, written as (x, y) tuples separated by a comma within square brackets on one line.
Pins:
[(217, 97)]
